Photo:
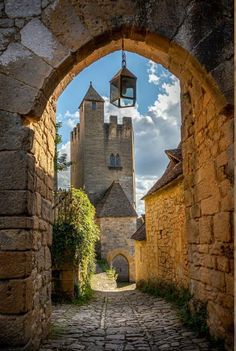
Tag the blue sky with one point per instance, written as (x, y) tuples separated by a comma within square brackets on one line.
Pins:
[(156, 116)]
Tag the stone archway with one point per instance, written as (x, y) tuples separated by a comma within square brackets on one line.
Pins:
[(40, 55), (130, 260), (121, 265)]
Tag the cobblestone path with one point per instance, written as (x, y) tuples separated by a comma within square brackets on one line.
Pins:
[(121, 320)]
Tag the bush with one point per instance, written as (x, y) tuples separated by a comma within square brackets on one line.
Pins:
[(110, 271), (74, 236)]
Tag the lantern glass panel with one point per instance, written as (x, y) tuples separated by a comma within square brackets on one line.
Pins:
[(115, 94), (128, 87), (126, 102)]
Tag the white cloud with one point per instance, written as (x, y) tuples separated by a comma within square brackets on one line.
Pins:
[(152, 76), (64, 176), (70, 119)]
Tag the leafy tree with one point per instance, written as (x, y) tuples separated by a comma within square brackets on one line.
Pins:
[(60, 162)]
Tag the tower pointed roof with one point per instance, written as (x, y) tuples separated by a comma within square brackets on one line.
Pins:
[(115, 203), (92, 95)]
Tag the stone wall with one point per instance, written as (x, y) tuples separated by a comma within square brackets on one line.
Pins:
[(115, 239), (164, 253), (26, 233), (207, 139)]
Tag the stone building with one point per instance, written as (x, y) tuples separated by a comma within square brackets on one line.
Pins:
[(160, 243), (103, 165), (101, 152)]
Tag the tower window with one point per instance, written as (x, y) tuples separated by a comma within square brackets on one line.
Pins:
[(118, 160), (112, 161), (94, 105)]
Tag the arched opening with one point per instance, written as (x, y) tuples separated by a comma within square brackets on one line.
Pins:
[(121, 265), (47, 64)]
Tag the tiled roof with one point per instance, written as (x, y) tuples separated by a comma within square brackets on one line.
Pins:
[(115, 203), (92, 95), (140, 234), (173, 170)]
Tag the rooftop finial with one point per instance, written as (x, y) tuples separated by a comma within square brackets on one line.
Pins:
[(90, 83)]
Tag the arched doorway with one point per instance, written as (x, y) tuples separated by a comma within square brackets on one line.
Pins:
[(35, 69), (121, 265)]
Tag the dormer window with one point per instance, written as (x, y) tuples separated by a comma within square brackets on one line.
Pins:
[(94, 105)]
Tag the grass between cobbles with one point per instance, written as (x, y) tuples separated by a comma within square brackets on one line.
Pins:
[(192, 312)]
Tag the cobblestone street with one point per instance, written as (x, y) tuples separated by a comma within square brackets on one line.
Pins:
[(121, 320)]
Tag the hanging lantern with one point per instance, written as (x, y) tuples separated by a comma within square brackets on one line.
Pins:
[(123, 86)]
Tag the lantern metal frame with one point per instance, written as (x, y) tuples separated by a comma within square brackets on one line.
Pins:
[(117, 82)]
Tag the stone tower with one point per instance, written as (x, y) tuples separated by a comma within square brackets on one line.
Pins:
[(101, 153)]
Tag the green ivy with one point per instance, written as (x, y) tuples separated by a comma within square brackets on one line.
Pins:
[(74, 236)]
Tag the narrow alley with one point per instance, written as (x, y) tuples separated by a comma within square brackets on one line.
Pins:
[(121, 319)]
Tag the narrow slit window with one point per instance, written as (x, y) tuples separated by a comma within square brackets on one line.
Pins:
[(94, 105), (112, 160), (118, 163)]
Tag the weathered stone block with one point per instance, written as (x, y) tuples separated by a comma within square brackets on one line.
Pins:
[(229, 279), (15, 264), (223, 264), (16, 202), (15, 330), (9, 89), (220, 320), (21, 64), (222, 227), (212, 278), (6, 35), (192, 231), (14, 174), (13, 135), (70, 32), (49, 49), (22, 8), (16, 239), (16, 296), (210, 205), (205, 229), (46, 211)]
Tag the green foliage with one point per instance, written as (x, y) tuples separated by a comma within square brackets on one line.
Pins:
[(103, 264), (110, 271), (84, 298), (74, 236), (60, 162)]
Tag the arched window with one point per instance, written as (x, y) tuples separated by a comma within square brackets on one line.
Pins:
[(112, 160), (118, 163), (94, 105)]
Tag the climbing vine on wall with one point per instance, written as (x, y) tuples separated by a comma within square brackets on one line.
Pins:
[(74, 236)]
